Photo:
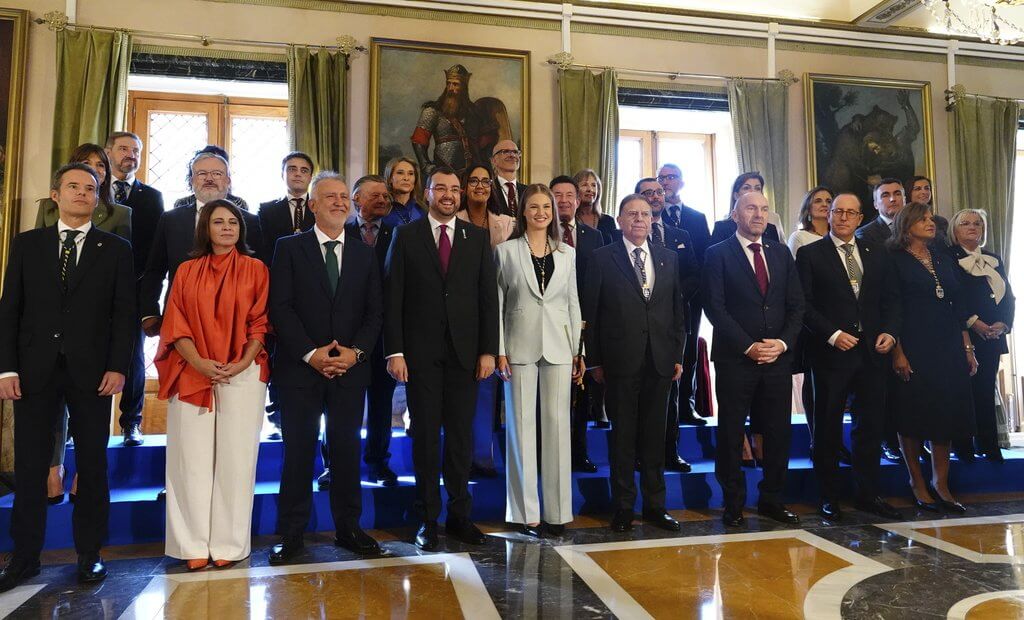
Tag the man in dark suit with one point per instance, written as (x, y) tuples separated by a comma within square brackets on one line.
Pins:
[(370, 194), (889, 200), (440, 338), (67, 325), (752, 296), (281, 218), (585, 239), (326, 305), (175, 234), (853, 316), (123, 149), (689, 276), (505, 160), (677, 214), (635, 334)]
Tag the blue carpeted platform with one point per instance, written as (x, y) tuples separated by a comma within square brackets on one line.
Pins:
[(137, 475)]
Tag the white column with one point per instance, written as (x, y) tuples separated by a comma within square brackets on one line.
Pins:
[(566, 27), (773, 32)]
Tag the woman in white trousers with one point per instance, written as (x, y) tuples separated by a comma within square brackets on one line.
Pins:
[(538, 338), (213, 368)]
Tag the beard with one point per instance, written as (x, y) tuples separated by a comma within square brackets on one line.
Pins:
[(453, 105), (209, 194)]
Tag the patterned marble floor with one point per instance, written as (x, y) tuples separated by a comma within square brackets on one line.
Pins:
[(970, 566)]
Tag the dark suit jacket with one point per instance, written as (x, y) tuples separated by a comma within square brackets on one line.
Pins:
[(977, 298), (175, 234), (621, 324), (306, 315), (380, 248), (725, 229), (276, 222), (421, 305), (501, 193), (831, 304), (735, 306), (587, 240), (147, 205), (876, 232), (94, 322), (695, 224)]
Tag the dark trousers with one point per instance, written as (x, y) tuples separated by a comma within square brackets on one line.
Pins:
[(379, 399), (301, 409), (134, 394), (35, 416), (581, 414), (441, 395), (983, 385), (739, 387), (687, 382), (832, 386), (636, 408)]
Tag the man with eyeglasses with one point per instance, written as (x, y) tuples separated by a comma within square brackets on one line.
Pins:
[(506, 159), (678, 241), (441, 338), (853, 315)]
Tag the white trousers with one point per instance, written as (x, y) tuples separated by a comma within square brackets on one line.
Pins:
[(522, 505), (211, 470)]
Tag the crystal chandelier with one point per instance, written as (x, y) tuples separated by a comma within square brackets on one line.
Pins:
[(978, 18)]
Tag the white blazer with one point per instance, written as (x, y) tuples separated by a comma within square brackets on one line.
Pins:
[(535, 327)]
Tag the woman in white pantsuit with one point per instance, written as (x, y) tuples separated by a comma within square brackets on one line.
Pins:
[(214, 370), (538, 338)]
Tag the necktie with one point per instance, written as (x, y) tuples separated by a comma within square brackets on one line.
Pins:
[(331, 261), (68, 256), (853, 269), (659, 237), (673, 215), (512, 197), (892, 228), (760, 269), (120, 191), (297, 225), (444, 248), (370, 234), (641, 271), (567, 234)]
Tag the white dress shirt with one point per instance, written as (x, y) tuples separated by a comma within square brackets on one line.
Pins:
[(750, 253), (321, 239), (648, 261)]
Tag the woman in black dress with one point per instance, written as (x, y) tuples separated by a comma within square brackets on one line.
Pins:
[(934, 357), (990, 306), (589, 211)]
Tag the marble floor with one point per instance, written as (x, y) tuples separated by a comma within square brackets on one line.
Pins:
[(969, 566)]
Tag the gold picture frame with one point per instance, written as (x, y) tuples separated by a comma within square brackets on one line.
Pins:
[(14, 25), (860, 130), (398, 97)]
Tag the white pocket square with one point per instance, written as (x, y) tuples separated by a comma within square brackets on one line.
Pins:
[(681, 246)]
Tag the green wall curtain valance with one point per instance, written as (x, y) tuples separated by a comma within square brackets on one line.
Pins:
[(758, 109), (92, 88), (589, 110), (318, 104), (983, 151)]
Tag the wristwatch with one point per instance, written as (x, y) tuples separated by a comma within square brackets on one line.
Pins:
[(360, 356)]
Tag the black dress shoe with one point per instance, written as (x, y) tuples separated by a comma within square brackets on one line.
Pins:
[(463, 530), (357, 541), (844, 456), (482, 471), (830, 510), (91, 569), (676, 463), (879, 507), (554, 530), (529, 530), (323, 481), (605, 424), (777, 512), (426, 536), (17, 571), (661, 519), (733, 519), (691, 419), (622, 521), (584, 465), (286, 551), (132, 436), (383, 475), (893, 455)]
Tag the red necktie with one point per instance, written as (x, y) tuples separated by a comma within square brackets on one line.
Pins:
[(444, 248), (760, 269), (567, 234), (512, 197)]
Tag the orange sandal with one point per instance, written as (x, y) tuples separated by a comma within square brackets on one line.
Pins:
[(197, 564), (224, 563)]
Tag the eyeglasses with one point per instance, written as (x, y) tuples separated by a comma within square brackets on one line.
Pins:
[(475, 182), (213, 174), (844, 213), (667, 177), (637, 215), (443, 189), (378, 196), (508, 153), (650, 193)]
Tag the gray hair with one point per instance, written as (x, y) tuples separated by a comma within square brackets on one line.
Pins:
[(324, 175), (200, 156), (961, 214)]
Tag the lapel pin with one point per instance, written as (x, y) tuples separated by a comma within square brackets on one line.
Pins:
[(100, 244), (463, 233)]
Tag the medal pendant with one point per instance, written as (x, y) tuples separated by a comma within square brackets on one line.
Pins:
[(939, 292)]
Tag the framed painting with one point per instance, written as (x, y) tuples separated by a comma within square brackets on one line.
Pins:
[(862, 130), (442, 104), (13, 47)]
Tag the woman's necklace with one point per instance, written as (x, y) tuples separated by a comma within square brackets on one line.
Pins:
[(486, 218), (541, 263), (926, 260), (590, 219)]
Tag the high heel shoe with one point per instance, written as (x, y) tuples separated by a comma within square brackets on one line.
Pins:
[(928, 506), (55, 499), (953, 506)]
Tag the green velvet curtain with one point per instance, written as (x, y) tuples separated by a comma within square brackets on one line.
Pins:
[(983, 150), (589, 108), (92, 88), (318, 105), (758, 109)]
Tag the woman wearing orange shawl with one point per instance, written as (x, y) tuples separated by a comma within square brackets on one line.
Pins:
[(214, 370)]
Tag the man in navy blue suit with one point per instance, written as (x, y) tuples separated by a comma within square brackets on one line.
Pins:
[(751, 292)]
